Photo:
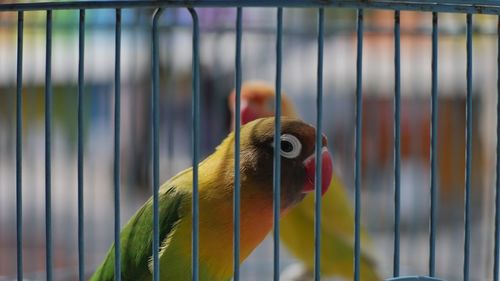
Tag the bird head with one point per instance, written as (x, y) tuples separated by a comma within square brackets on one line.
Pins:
[(297, 151), (257, 101)]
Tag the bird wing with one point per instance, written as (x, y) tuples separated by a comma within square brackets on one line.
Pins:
[(337, 230), (136, 237), (337, 211)]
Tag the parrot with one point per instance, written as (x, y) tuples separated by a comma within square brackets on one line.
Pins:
[(216, 186), (297, 227)]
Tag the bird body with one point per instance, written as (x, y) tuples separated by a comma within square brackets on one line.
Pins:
[(297, 226), (216, 187), (337, 235)]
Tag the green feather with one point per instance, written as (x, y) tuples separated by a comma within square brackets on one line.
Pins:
[(136, 238)]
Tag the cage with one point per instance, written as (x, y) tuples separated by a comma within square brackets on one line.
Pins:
[(105, 100)]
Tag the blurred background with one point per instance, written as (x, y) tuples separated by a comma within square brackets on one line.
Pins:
[(217, 80)]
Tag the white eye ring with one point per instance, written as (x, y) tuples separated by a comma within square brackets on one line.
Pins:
[(293, 143)]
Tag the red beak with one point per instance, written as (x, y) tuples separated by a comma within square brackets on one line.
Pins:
[(247, 113), (326, 171)]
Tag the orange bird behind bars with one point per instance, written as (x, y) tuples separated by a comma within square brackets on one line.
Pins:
[(297, 227)]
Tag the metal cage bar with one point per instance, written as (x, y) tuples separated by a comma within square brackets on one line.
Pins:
[(237, 126), (359, 124), (196, 141), (276, 152), (468, 149), (19, 146), (497, 185), (116, 163), (468, 152), (155, 111), (319, 125), (81, 81), (397, 139), (434, 139), (449, 6), (48, 147)]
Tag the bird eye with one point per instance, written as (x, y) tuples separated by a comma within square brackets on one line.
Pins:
[(290, 146)]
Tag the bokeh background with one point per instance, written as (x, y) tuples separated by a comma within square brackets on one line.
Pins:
[(217, 80)]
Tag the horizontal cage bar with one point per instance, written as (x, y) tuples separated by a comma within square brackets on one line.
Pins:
[(449, 6)]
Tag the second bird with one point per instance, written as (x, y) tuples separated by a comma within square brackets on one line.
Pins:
[(297, 227)]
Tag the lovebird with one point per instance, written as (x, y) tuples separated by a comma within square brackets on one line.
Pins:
[(216, 173), (297, 227)]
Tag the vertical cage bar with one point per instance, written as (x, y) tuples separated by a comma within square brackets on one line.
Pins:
[(48, 146), (434, 139), (276, 155), (359, 124), (81, 63), (237, 124), (156, 150), (397, 139), (319, 125), (116, 164), (496, 252), (19, 145), (468, 139), (196, 140)]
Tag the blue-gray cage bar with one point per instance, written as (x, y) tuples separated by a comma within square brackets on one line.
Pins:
[(468, 148), (497, 189), (319, 125), (276, 154), (81, 63), (445, 6), (155, 151), (19, 147), (48, 147), (397, 139), (116, 162), (434, 151), (358, 130), (195, 142), (237, 126), (455, 6)]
